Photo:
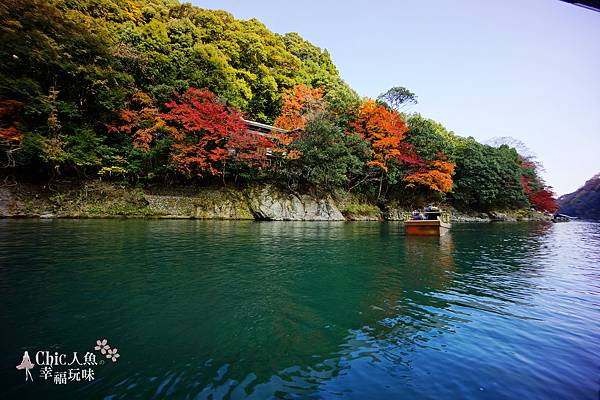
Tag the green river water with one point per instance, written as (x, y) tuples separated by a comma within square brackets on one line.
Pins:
[(218, 309)]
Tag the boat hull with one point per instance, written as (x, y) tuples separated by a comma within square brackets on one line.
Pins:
[(426, 228)]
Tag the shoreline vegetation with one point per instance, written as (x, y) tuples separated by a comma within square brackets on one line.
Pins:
[(96, 199), (138, 100)]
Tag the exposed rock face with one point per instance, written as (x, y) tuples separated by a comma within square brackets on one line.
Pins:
[(262, 203), (100, 199), (474, 217), (503, 217), (266, 203), (230, 209), (95, 199), (356, 207), (394, 214), (206, 204), (496, 216), (400, 214), (7, 202)]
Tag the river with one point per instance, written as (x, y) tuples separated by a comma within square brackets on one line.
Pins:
[(219, 309)]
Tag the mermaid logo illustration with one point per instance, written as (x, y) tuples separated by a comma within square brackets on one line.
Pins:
[(26, 365)]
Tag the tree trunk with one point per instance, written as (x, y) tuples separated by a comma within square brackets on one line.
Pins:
[(380, 185)]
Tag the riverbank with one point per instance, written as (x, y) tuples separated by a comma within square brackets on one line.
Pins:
[(96, 199)]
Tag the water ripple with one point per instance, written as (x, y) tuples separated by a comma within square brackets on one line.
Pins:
[(305, 310)]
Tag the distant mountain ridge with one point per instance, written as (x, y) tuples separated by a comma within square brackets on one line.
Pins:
[(584, 202)]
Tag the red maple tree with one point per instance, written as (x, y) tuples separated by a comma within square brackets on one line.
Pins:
[(540, 196), (10, 119), (208, 134), (248, 149), (544, 200)]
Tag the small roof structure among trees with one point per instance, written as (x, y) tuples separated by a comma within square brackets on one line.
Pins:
[(263, 129)]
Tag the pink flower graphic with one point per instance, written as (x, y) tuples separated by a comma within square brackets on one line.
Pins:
[(113, 355), (102, 346)]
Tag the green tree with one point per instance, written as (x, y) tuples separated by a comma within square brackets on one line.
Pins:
[(398, 97), (486, 177), (57, 63), (328, 157), (429, 138)]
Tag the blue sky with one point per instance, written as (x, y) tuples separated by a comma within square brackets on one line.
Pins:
[(527, 69)]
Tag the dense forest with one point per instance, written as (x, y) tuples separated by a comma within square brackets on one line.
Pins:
[(154, 91)]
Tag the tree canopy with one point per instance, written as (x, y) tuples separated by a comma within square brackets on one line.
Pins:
[(156, 90)]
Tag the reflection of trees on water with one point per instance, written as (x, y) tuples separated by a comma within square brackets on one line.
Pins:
[(429, 292), (330, 295), (261, 307), (366, 294)]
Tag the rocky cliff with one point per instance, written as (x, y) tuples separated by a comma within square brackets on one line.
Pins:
[(262, 202), (98, 200)]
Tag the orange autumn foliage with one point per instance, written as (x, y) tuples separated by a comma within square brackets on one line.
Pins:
[(299, 106), (436, 176), (11, 134), (385, 130), (142, 122), (294, 154), (281, 144)]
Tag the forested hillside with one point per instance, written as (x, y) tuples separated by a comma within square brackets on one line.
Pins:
[(584, 202), (154, 91)]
